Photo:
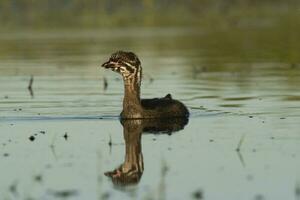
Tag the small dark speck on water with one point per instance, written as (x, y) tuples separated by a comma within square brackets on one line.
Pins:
[(20, 109), (211, 140), (43, 132), (297, 191), (64, 193), (272, 138), (282, 117), (11, 124), (5, 154), (110, 142), (105, 83), (66, 136), (259, 197), (198, 194), (31, 138), (154, 139), (169, 148), (105, 195), (38, 178), (253, 150), (151, 79), (13, 188), (5, 97), (250, 116)]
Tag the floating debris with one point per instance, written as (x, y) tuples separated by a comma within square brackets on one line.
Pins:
[(198, 194), (105, 195), (105, 83), (38, 178), (110, 141), (64, 193), (297, 191), (6, 154), (259, 197), (240, 143), (211, 140), (32, 138), (13, 188), (151, 79), (282, 117), (250, 116), (66, 136), (30, 87), (43, 132)]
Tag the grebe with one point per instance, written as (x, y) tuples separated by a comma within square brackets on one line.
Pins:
[(129, 66)]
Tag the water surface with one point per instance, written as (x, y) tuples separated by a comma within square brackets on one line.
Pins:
[(61, 140)]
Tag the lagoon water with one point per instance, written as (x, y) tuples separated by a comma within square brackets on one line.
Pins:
[(242, 140)]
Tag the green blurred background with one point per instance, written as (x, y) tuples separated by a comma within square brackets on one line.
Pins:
[(218, 31), (111, 13)]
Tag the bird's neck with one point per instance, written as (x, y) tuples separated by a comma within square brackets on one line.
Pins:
[(132, 101)]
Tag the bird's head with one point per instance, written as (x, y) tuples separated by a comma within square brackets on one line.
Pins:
[(125, 63)]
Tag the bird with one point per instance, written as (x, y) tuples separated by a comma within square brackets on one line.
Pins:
[(129, 66)]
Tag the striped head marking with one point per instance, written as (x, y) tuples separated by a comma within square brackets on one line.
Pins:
[(125, 63)]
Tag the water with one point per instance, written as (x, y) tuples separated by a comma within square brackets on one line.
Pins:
[(242, 94)]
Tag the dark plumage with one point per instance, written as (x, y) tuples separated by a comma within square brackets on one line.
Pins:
[(129, 66)]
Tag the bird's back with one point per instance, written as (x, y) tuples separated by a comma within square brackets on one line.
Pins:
[(165, 107)]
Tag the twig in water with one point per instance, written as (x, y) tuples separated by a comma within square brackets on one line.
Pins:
[(240, 143), (110, 143), (241, 158), (105, 83), (30, 87)]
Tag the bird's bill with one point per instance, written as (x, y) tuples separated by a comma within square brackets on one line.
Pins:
[(110, 65)]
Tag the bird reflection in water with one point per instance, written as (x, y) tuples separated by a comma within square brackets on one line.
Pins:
[(131, 170)]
